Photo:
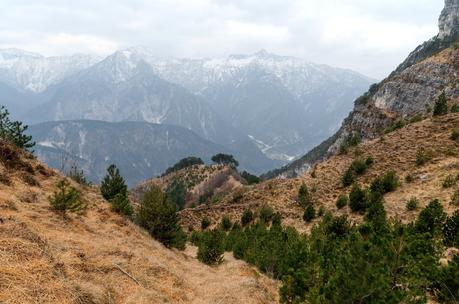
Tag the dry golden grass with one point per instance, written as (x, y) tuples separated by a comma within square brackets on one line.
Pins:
[(45, 258), (393, 152)]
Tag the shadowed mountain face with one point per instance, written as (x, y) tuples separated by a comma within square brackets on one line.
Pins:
[(140, 150)]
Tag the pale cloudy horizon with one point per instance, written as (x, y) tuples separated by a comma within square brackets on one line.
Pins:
[(370, 37)]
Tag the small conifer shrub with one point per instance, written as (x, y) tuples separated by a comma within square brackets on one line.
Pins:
[(157, 214), (211, 247), (247, 217), (342, 202), (113, 184), (205, 223), (441, 105), (266, 214), (66, 198), (412, 204), (304, 197), (309, 214), (121, 204), (226, 223), (455, 135)]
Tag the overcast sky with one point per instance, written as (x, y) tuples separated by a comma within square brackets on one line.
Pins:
[(369, 36)]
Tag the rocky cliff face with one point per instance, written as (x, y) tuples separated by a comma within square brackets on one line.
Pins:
[(449, 19), (409, 91)]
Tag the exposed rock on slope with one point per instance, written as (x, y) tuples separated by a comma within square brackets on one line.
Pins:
[(411, 90), (396, 151), (46, 259)]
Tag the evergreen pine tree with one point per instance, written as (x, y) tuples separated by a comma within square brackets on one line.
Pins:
[(13, 131), (303, 196), (67, 198), (113, 184), (157, 214), (441, 106)]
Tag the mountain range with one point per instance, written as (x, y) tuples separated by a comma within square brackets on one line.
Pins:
[(281, 106)]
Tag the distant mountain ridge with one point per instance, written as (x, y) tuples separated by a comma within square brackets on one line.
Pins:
[(141, 150), (281, 106)]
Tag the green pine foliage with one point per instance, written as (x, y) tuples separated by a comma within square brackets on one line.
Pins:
[(250, 178), (412, 204), (455, 108), (342, 201), (358, 201), (225, 159), (247, 217), (441, 105), (121, 204), (157, 214), (211, 246), (378, 261), (451, 230), (113, 184), (205, 223), (177, 193), (226, 223), (266, 214), (14, 131), (66, 198), (304, 198), (309, 214), (184, 163), (389, 182)]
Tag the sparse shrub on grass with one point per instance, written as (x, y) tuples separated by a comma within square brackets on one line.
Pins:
[(321, 211), (78, 176), (455, 198), (455, 108), (449, 181), (441, 105), (455, 135), (395, 126), (369, 161), (237, 197), (358, 199), (359, 166), (309, 214), (5, 179), (277, 219), (352, 140), (304, 198), (120, 204), (348, 178), (389, 182), (247, 217), (211, 247), (409, 178), (226, 223), (417, 118), (157, 214), (66, 198), (266, 214), (29, 179), (342, 201), (412, 204), (423, 156), (205, 223)]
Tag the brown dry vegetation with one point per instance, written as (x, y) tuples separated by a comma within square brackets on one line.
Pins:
[(45, 258), (395, 151), (198, 180)]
